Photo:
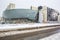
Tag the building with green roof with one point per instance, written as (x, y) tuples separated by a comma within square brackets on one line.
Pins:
[(15, 14)]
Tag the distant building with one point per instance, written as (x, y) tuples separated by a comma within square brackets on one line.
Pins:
[(34, 8), (47, 14), (52, 15), (59, 18), (44, 13), (19, 15), (11, 6), (40, 14), (1, 20)]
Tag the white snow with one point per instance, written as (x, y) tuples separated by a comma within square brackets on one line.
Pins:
[(20, 26)]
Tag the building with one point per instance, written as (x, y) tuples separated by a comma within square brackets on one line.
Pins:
[(59, 18), (44, 14), (52, 15), (33, 15), (11, 6), (19, 15), (49, 14), (34, 8)]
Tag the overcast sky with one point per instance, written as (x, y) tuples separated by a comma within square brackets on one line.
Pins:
[(55, 4)]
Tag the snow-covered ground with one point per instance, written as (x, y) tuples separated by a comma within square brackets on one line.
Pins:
[(20, 26)]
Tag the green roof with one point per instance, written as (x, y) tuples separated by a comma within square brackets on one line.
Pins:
[(20, 13)]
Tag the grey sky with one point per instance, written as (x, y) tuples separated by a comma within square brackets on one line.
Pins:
[(27, 3)]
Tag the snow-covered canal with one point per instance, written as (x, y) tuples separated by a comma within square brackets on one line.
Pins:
[(50, 33), (55, 36)]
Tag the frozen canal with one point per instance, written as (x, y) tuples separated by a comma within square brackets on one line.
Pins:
[(55, 36), (50, 33)]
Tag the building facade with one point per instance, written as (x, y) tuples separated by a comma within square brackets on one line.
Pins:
[(10, 6)]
